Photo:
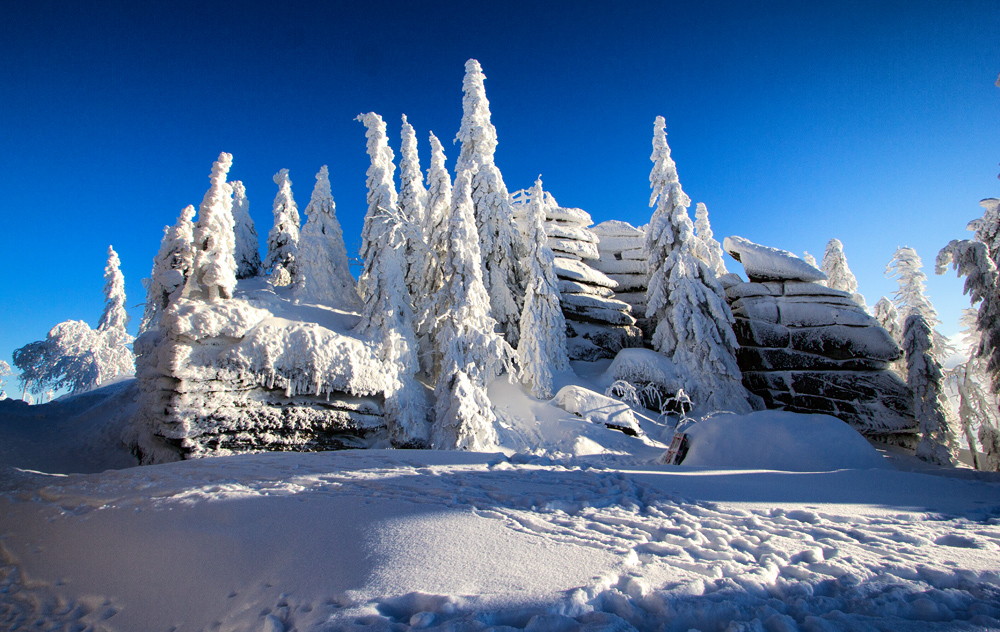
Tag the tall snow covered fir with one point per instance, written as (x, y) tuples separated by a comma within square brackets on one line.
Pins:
[(283, 238), (247, 242), (925, 380), (838, 274), (694, 326), (542, 348), (438, 209), (412, 204), (387, 315), (499, 239), (171, 268), (911, 298), (470, 351), (712, 254), (117, 357), (322, 256), (213, 273)]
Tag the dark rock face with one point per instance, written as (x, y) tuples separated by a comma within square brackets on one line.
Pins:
[(810, 349)]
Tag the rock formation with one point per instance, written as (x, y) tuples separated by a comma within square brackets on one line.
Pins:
[(811, 349), (623, 258), (598, 325)]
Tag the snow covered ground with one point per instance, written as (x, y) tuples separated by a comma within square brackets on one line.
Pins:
[(574, 526)]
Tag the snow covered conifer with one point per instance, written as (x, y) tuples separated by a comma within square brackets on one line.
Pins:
[(911, 297), (839, 275), (213, 273), (542, 348), (283, 238), (499, 240), (115, 317), (322, 255), (387, 315), (925, 380), (471, 353), (703, 230), (436, 232), (987, 228), (247, 243), (171, 268), (684, 298), (888, 318)]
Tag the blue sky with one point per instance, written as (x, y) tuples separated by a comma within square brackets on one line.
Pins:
[(873, 122)]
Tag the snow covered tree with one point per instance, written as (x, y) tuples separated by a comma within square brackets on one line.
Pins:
[(924, 378), (247, 243), (911, 297), (888, 318), (115, 356), (213, 273), (67, 358), (436, 231), (987, 228), (322, 257), (171, 267), (977, 408), (684, 298), (499, 240), (387, 315), (972, 260), (542, 348), (283, 239), (471, 352), (4, 372), (703, 230), (838, 274)]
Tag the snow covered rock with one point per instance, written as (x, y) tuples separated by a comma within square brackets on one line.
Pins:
[(597, 408), (763, 263), (229, 377), (625, 260), (597, 325), (809, 348)]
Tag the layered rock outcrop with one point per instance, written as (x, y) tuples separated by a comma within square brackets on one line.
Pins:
[(807, 348), (598, 324), (623, 258)]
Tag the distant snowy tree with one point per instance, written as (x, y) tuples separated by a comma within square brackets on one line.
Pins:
[(67, 358), (911, 297), (684, 298), (811, 260), (888, 318), (471, 352), (499, 239), (839, 275), (115, 356), (703, 230), (387, 315), (435, 229), (247, 243), (925, 380), (322, 257), (4, 372), (542, 348), (213, 273), (171, 268), (283, 238)]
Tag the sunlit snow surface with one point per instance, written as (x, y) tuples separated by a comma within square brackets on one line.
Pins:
[(578, 527)]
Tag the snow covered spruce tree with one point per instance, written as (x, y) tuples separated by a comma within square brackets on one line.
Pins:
[(684, 299), (888, 318), (171, 267), (542, 348), (436, 230), (977, 407), (925, 380), (247, 243), (703, 231), (387, 315), (322, 256), (413, 205), (283, 238), (838, 274), (987, 228), (911, 297), (972, 260), (471, 352), (499, 240), (213, 273), (115, 355)]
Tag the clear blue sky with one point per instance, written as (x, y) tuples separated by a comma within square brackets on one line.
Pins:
[(873, 122)]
